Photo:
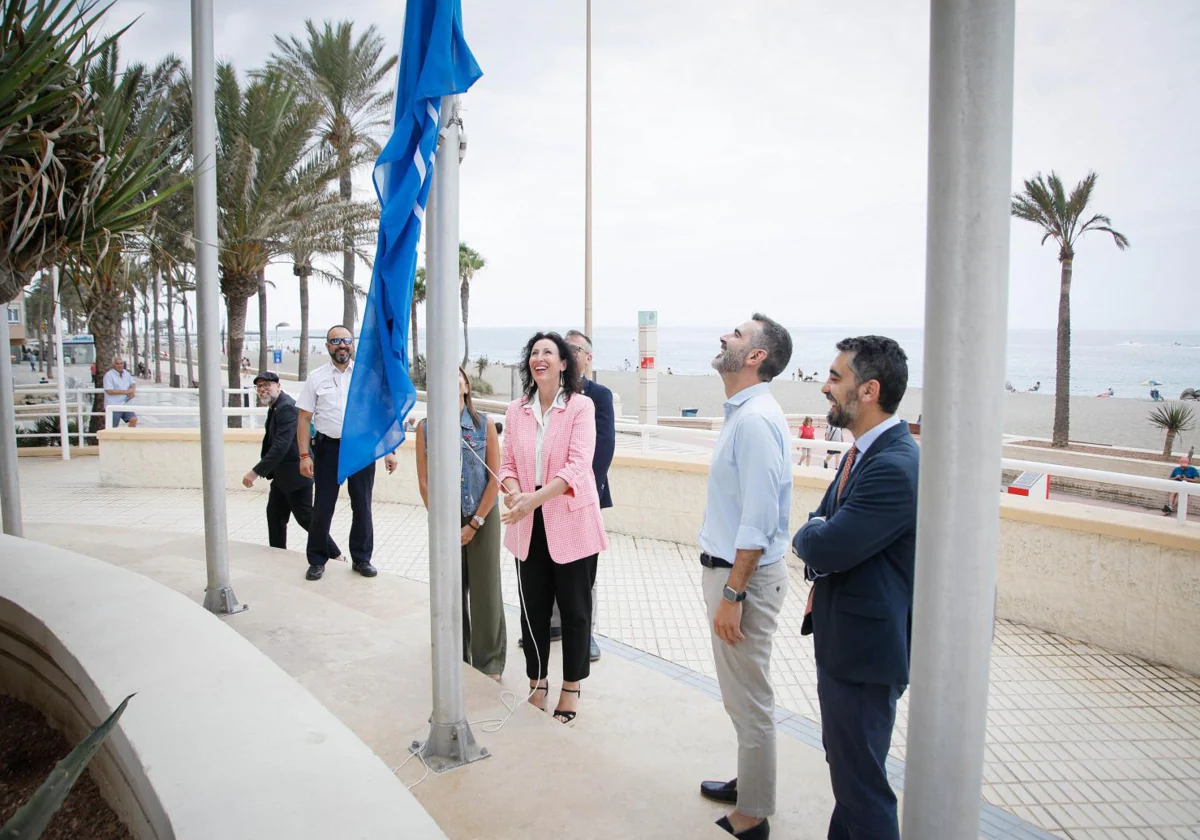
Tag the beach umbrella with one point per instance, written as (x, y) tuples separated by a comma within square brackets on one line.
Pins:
[(1151, 382)]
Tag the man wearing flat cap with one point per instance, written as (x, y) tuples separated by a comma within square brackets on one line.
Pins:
[(291, 493)]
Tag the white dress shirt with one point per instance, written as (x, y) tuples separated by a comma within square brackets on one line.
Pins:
[(543, 421), (115, 380), (324, 395)]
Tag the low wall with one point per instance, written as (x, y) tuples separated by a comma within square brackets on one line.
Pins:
[(1151, 499), (1125, 580), (218, 742)]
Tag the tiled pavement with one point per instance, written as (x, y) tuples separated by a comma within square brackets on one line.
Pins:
[(1082, 742)]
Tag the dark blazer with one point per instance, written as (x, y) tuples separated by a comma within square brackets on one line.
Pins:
[(606, 436), (862, 608), (280, 453)]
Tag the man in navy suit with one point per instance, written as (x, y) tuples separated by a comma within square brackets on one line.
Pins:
[(859, 551)]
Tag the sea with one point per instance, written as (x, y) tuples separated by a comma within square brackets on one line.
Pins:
[(1117, 359)]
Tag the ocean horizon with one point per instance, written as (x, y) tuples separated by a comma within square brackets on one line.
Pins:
[(1100, 359)]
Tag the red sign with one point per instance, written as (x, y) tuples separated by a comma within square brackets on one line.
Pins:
[(647, 363)]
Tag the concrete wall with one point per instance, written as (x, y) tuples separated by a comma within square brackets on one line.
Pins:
[(218, 742), (1125, 580)]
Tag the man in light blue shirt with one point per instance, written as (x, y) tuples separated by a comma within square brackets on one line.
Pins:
[(744, 578)]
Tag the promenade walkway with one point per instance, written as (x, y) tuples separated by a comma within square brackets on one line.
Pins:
[(1082, 743)]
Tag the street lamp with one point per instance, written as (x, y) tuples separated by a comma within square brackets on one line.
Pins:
[(277, 326)]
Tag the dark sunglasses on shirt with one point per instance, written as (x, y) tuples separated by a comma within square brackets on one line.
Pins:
[(345, 342)]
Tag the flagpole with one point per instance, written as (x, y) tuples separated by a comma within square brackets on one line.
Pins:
[(587, 188), (218, 595), (966, 311), (450, 742)]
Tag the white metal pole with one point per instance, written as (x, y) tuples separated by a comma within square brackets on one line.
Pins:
[(450, 741), (966, 315), (63, 431), (10, 480), (587, 189), (218, 595)]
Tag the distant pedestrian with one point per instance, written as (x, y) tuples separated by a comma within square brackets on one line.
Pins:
[(119, 389), (807, 432), (1184, 472), (833, 434)]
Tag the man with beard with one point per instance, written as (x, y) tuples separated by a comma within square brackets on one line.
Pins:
[(322, 404), (742, 544), (291, 492), (859, 551)]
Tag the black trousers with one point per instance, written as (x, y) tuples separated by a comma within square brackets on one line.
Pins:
[(282, 505), (543, 581), (362, 532), (856, 727)]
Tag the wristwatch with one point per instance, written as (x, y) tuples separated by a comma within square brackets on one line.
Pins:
[(732, 595), (478, 521)]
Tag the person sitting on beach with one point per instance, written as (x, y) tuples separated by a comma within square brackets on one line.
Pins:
[(1106, 394), (1037, 386), (1184, 472)]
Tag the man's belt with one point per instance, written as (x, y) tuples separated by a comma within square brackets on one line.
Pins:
[(710, 562)]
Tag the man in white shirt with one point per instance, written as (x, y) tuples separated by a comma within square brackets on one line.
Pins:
[(119, 389), (322, 404)]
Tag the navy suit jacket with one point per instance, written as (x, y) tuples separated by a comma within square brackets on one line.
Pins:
[(862, 607), (606, 436), (280, 452)]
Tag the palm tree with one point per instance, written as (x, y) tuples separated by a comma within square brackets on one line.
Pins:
[(469, 261), (418, 298), (265, 177), (1174, 419), (342, 75), (1046, 204)]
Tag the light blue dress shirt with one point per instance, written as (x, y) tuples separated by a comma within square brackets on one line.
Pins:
[(749, 480), (863, 443)]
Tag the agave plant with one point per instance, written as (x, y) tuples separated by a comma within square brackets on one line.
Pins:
[(32, 818), (1174, 419)]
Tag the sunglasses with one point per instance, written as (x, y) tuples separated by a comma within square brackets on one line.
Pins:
[(345, 342)]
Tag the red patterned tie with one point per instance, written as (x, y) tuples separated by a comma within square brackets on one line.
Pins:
[(846, 467)]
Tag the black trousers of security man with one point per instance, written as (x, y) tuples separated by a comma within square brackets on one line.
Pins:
[(296, 503), (360, 485)]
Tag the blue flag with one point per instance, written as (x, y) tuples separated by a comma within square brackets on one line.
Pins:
[(434, 62)]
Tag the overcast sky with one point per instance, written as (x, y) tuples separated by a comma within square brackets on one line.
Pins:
[(771, 154)]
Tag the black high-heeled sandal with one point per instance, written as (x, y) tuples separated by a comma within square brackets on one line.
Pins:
[(563, 716)]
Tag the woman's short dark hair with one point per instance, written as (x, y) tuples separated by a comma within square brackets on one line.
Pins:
[(882, 359), (570, 375)]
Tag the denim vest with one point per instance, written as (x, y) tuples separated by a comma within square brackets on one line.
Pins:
[(474, 474)]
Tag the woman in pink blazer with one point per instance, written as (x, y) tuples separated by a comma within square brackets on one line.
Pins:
[(553, 516)]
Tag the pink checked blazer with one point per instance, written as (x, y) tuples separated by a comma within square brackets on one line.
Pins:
[(574, 528)]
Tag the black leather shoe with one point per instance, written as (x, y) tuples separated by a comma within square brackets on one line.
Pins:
[(366, 569), (760, 832), (315, 572), (555, 634), (720, 791)]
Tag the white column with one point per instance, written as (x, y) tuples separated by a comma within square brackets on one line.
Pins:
[(10, 482), (63, 432), (966, 306), (218, 595), (450, 742), (647, 370), (587, 186)]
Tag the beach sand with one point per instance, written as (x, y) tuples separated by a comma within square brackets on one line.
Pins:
[(1114, 422)]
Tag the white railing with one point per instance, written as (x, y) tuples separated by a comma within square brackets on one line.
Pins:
[(79, 407), (182, 411)]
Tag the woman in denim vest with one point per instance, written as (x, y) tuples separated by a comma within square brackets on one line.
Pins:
[(484, 636)]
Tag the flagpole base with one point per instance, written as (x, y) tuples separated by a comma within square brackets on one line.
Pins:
[(222, 601), (450, 745)]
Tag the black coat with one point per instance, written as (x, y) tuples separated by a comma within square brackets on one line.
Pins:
[(280, 453), (606, 437)]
